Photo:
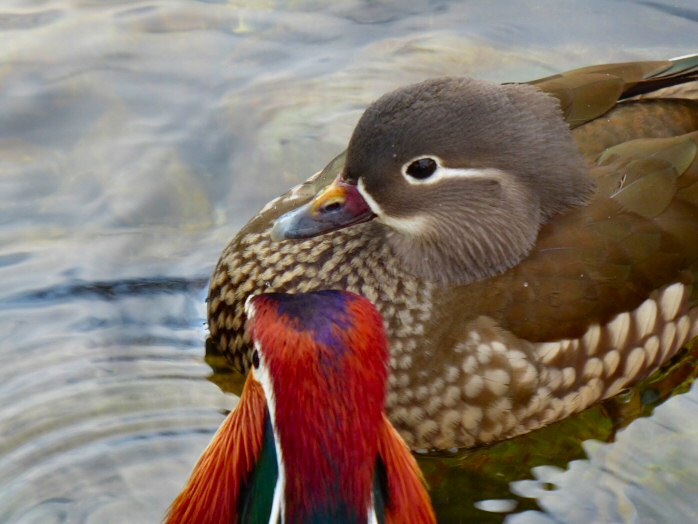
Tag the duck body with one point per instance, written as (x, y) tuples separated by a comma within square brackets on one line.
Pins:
[(309, 440), (524, 271)]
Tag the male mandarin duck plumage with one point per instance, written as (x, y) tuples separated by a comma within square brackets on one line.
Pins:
[(309, 440), (533, 248)]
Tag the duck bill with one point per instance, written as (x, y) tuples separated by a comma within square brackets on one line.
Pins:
[(337, 206)]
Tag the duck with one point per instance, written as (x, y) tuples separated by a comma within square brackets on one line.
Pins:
[(309, 440), (532, 247)]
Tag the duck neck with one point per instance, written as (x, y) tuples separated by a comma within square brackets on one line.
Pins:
[(325, 429), (468, 244)]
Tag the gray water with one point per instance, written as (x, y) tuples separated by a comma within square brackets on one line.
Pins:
[(136, 138)]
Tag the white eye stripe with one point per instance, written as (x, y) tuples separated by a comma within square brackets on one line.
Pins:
[(410, 225), (442, 172), (449, 172)]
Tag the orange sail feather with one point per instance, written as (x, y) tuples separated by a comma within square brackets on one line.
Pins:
[(212, 492), (408, 501)]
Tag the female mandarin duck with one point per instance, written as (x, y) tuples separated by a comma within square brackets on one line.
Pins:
[(533, 248), (309, 440)]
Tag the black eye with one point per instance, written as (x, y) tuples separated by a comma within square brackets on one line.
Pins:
[(422, 168), (255, 359)]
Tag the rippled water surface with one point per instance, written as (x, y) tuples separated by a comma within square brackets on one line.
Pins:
[(136, 138)]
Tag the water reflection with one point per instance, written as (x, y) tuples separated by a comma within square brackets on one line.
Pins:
[(135, 139), (647, 475)]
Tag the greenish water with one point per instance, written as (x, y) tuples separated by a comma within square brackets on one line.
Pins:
[(136, 138)]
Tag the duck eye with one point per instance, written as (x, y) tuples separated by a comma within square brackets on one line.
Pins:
[(255, 359), (422, 168)]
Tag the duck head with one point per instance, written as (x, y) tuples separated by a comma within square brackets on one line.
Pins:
[(322, 360), (460, 172), (309, 440)]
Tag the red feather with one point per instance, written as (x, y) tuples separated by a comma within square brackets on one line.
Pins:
[(329, 388), (408, 501), (325, 356), (211, 494)]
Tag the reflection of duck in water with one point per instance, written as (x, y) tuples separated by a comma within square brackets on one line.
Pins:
[(532, 248), (309, 441)]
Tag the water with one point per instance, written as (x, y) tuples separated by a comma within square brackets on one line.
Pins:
[(136, 138)]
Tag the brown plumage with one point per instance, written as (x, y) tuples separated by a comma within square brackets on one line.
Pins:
[(524, 270)]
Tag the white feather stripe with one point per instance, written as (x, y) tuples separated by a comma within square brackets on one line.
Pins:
[(262, 375)]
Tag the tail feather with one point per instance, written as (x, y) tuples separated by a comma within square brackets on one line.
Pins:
[(679, 71), (589, 92)]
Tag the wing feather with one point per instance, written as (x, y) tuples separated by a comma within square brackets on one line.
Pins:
[(408, 501), (212, 492)]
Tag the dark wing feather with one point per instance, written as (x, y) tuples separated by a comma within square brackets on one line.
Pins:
[(257, 495), (589, 92)]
